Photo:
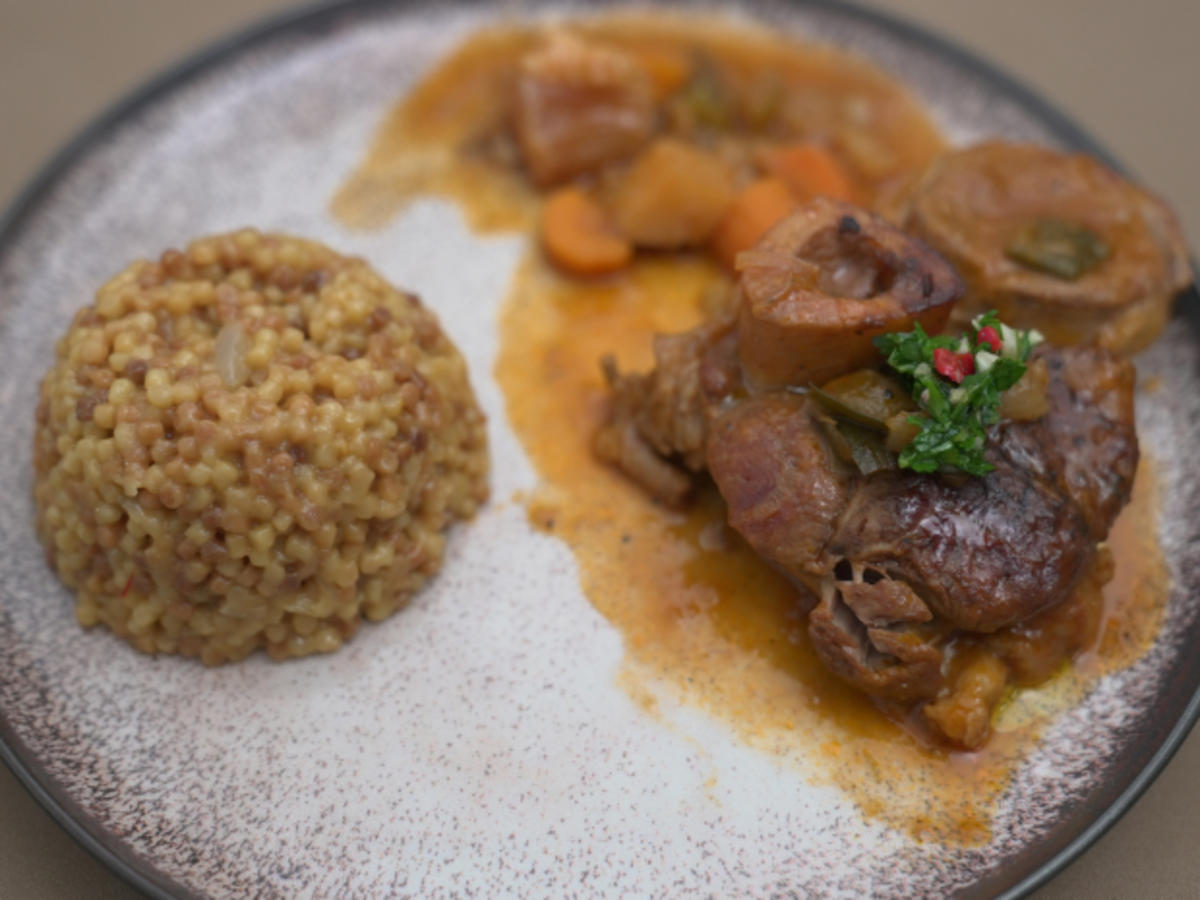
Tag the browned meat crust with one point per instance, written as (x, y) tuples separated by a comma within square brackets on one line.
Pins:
[(972, 202), (579, 105), (658, 422), (1087, 443), (983, 554), (783, 487), (824, 283), (899, 560)]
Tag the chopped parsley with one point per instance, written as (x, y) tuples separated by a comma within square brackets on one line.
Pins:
[(957, 383)]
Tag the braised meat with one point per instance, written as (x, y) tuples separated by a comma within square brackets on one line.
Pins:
[(578, 106), (823, 283), (785, 316), (995, 550), (1053, 241), (899, 560), (784, 489), (658, 422), (1086, 443), (985, 553), (875, 636), (899, 567), (620, 443)]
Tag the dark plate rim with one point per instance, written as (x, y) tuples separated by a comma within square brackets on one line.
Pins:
[(139, 872)]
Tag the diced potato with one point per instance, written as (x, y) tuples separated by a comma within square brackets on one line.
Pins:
[(674, 195), (579, 106)]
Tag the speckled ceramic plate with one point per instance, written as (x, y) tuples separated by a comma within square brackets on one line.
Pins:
[(478, 743)]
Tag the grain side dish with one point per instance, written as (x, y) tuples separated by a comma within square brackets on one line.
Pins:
[(252, 443)]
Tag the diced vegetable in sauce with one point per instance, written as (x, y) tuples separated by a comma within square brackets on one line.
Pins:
[(578, 236), (706, 102), (1062, 249), (674, 195), (810, 170), (856, 444), (763, 100), (864, 409), (1026, 400), (867, 397), (759, 206)]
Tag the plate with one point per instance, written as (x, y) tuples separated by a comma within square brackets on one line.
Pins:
[(456, 749)]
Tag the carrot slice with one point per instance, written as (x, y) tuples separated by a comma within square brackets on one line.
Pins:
[(578, 237), (810, 170), (759, 206)]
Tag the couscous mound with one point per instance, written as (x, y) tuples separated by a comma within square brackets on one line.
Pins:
[(255, 442)]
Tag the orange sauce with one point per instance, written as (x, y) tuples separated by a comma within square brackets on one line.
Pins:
[(701, 613), (703, 617)]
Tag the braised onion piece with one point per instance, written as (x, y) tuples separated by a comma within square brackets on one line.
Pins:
[(823, 283), (1026, 400), (229, 354), (1052, 241), (867, 397)]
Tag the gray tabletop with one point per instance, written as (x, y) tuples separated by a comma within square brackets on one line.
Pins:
[(1128, 72)]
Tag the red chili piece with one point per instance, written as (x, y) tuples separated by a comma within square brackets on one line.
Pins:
[(128, 585), (988, 335), (955, 366)]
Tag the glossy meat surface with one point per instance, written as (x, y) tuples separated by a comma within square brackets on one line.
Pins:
[(1087, 442), (901, 560), (784, 490), (983, 554), (823, 283)]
